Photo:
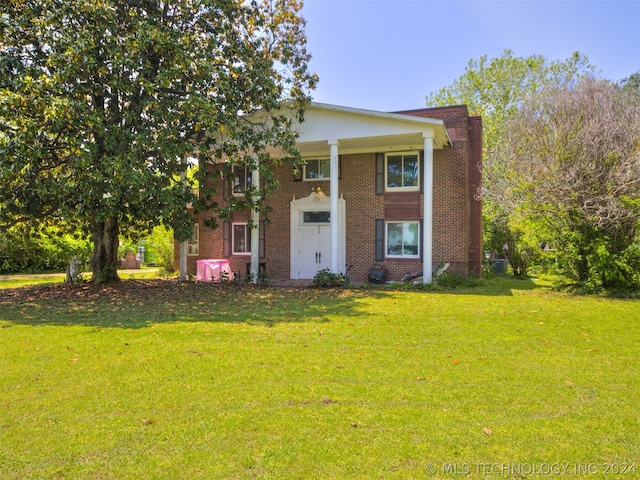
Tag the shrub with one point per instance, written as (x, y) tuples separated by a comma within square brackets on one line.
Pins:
[(26, 250), (160, 248), (326, 279)]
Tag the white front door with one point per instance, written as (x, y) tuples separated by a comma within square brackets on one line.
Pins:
[(311, 235), (314, 249)]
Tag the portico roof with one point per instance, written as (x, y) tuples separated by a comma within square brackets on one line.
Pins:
[(360, 131)]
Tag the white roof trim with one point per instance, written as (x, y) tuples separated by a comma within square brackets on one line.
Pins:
[(374, 113), (359, 131)]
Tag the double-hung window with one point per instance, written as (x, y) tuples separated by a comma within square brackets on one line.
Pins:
[(193, 244), (241, 180), (403, 239), (318, 169), (241, 239), (403, 171)]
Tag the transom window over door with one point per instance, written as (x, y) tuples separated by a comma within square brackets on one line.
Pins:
[(316, 217), (403, 170), (403, 239)]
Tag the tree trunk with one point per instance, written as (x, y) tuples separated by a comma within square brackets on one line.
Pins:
[(104, 260)]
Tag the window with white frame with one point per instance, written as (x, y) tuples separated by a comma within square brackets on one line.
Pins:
[(403, 239), (241, 239), (241, 180), (193, 244), (317, 169), (403, 171)]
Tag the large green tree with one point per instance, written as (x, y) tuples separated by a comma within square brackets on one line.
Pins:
[(495, 88), (574, 155), (102, 104)]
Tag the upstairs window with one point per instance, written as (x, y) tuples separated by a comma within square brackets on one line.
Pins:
[(403, 171), (241, 180), (319, 169)]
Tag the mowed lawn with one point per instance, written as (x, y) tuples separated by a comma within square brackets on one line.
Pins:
[(154, 379)]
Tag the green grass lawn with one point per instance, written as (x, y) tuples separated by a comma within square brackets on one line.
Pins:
[(153, 379), (10, 281)]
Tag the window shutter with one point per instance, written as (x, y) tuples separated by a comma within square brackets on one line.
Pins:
[(226, 239), (379, 240), (379, 173), (421, 171), (226, 188), (261, 240), (421, 246)]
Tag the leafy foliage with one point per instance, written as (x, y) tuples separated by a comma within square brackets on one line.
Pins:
[(495, 88), (103, 103), (159, 245), (561, 163), (575, 157), (326, 279), (24, 249), (514, 239)]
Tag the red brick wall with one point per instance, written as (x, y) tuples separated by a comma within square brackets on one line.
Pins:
[(456, 212), (466, 134)]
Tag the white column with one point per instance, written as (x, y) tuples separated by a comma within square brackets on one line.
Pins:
[(333, 198), (255, 231), (427, 235)]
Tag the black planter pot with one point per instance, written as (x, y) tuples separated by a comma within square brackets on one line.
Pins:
[(377, 276)]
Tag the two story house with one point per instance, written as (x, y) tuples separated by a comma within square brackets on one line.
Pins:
[(394, 190)]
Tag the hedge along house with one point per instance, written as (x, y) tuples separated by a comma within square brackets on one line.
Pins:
[(398, 191)]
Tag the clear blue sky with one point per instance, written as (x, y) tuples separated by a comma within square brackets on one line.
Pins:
[(390, 54)]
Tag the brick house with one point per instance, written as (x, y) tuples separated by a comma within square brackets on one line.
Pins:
[(398, 190)]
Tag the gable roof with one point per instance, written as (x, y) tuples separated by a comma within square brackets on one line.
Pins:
[(359, 131)]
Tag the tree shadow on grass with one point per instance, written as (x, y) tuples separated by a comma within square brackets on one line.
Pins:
[(138, 304)]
